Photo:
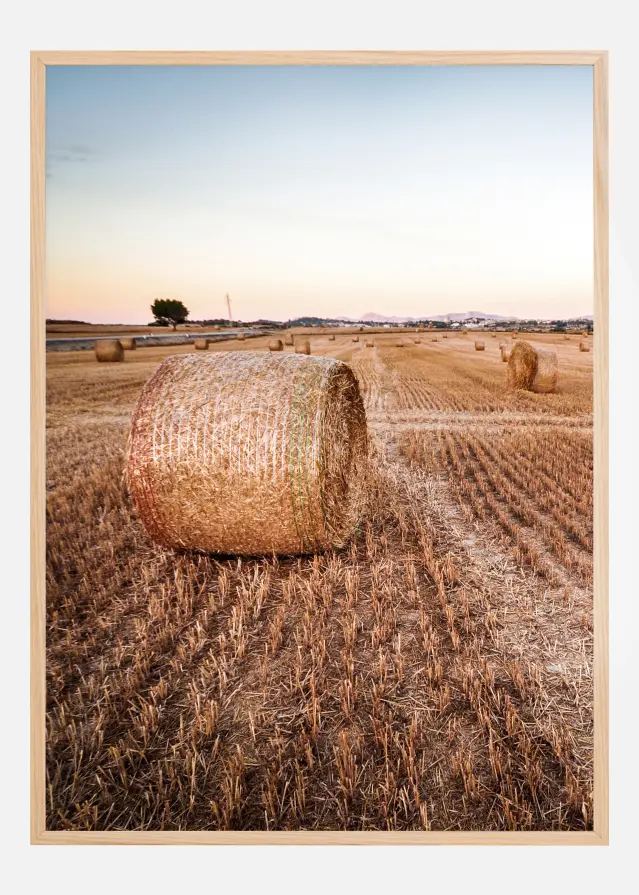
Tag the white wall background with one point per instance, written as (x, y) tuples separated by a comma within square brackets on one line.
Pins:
[(330, 24)]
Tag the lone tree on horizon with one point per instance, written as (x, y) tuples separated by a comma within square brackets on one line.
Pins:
[(169, 311)]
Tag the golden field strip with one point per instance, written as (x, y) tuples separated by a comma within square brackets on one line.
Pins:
[(435, 675)]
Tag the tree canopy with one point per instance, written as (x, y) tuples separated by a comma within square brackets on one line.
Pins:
[(169, 311)]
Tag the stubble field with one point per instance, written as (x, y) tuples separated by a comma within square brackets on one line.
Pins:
[(435, 675)]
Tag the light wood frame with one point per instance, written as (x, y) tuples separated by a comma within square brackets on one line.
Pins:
[(599, 62)]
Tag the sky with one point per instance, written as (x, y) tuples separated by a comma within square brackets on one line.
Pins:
[(319, 190)]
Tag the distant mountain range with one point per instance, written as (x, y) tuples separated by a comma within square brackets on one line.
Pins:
[(461, 317)]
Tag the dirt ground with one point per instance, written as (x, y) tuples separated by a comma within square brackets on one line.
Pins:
[(437, 674)]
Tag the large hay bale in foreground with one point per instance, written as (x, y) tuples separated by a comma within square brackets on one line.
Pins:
[(288, 340), (276, 345), (128, 344), (331, 338), (241, 337), (480, 346), (248, 453), (532, 369), (109, 350), (583, 346), (202, 344), (505, 354), (303, 347)]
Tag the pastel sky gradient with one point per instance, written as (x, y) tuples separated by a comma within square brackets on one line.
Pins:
[(319, 190)]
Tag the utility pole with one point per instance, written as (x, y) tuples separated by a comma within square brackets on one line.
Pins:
[(228, 305)]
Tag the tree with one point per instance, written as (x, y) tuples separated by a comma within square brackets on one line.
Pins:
[(169, 312)]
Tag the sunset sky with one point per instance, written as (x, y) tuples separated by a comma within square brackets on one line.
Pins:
[(327, 191)]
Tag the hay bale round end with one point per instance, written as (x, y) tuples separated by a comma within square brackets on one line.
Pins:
[(583, 346), (303, 347), (109, 351), (128, 344), (479, 346), (331, 338), (202, 344), (276, 345)]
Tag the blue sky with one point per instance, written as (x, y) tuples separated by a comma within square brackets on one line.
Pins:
[(319, 190)]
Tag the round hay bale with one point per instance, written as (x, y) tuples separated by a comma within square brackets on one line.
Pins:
[(435, 339), (505, 354), (249, 453), (355, 338), (417, 341), (241, 337), (276, 345), (566, 338), (331, 338), (399, 343), (532, 369), (493, 335), (444, 336), (109, 351), (584, 347), (202, 344), (480, 346), (303, 347), (288, 340), (128, 344), (370, 344)]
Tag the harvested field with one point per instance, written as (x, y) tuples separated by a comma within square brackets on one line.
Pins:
[(435, 674)]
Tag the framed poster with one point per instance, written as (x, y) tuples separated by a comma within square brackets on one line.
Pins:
[(319, 555)]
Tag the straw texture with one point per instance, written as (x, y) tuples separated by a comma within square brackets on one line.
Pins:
[(532, 369), (109, 350), (249, 453)]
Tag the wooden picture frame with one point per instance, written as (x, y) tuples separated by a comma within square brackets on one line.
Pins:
[(39, 63)]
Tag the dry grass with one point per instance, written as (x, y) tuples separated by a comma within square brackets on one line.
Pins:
[(435, 674)]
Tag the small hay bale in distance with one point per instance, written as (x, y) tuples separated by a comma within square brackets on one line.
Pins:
[(369, 343), (493, 335), (583, 346), (434, 339), (480, 346), (303, 347), (399, 343), (566, 337), (249, 453), (241, 337), (505, 354), (109, 351), (331, 338), (202, 344), (355, 338), (532, 369), (276, 345), (444, 335), (288, 340), (128, 344)]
